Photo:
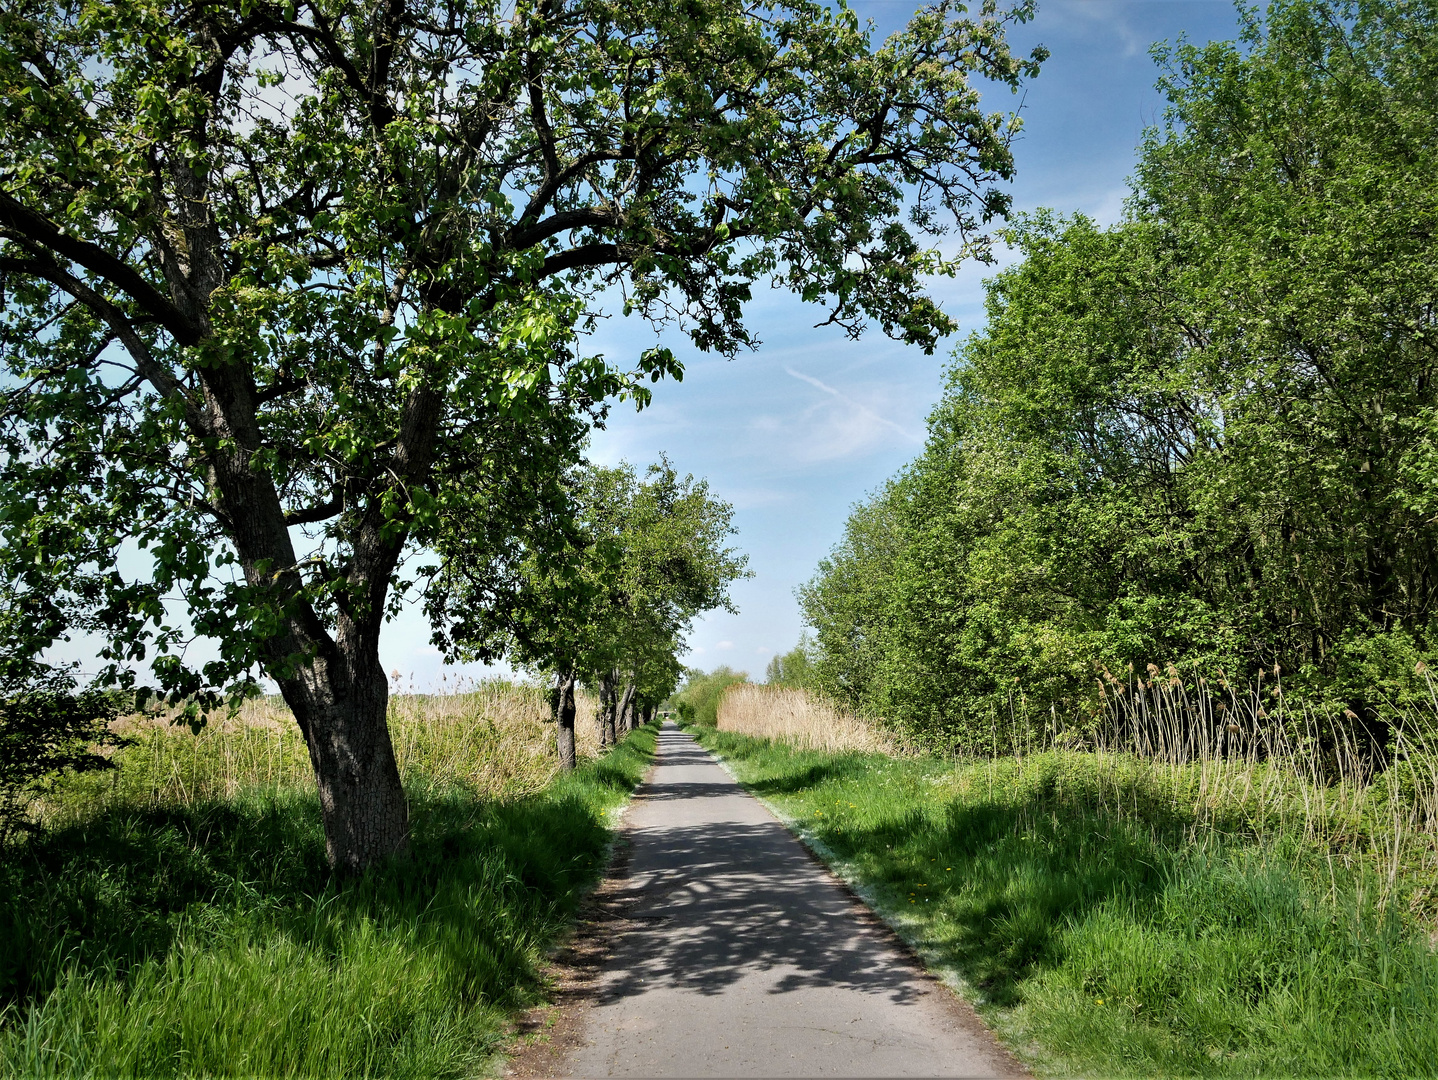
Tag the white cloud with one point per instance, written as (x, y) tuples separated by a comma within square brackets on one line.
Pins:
[(724, 645), (838, 428)]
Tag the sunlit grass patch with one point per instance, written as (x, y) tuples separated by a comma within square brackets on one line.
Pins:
[(1107, 928)]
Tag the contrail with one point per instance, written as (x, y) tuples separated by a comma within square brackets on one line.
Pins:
[(850, 401)]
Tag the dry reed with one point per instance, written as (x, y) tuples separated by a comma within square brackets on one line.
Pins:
[(800, 718), (1229, 756), (1218, 756), (493, 738)]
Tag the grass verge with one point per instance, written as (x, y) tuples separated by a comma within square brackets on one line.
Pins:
[(208, 937), (1116, 938)]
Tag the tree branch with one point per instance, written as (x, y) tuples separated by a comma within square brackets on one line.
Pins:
[(152, 370), (36, 232)]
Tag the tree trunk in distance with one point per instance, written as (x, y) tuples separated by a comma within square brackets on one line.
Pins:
[(606, 708), (626, 709), (564, 719)]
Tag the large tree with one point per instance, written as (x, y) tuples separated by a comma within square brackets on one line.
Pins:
[(1204, 436), (292, 287)]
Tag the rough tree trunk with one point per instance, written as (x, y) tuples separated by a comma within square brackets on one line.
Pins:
[(331, 679), (362, 800), (564, 710), (605, 716), (626, 709)]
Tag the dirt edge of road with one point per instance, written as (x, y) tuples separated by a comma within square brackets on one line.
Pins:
[(545, 1035)]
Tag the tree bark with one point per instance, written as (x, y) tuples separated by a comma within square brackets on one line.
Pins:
[(564, 710), (605, 716), (362, 800), (626, 708)]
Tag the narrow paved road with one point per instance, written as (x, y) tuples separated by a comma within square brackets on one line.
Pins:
[(749, 959)]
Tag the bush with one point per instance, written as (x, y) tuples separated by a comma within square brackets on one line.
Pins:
[(698, 699), (47, 729)]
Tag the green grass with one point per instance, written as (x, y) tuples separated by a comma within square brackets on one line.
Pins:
[(698, 700), (1104, 936), (211, 939)]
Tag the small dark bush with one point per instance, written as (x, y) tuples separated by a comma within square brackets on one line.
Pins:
[(47, 728)]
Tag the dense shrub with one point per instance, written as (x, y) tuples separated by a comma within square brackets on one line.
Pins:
[(1205, 437)]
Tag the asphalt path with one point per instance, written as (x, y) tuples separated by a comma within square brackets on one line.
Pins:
[(745, 957)]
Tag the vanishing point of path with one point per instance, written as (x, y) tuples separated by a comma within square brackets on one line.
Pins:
[(747, 958)]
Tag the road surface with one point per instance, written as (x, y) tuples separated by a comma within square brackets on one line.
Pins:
[(745, 957)]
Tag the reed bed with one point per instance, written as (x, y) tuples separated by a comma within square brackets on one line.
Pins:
[(1204, 753), (493, 738), (1246, 758), (801, 719)]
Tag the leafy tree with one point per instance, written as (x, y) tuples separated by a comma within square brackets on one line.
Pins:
[(1205, 435), (292, 288), (675, 566), (697, 701), (846, 602), (47, 725), (610, 605), (794, 668)]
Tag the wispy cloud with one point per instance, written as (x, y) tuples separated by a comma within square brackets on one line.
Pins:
[(851, 429), (1104, 17)]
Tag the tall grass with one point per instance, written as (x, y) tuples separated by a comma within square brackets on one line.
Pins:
[(1245, 757), (798, 717), (491, 738), (177, 917), (1217, 757), (1105, 925)]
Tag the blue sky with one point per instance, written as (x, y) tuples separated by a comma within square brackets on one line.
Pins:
[(796, 432)]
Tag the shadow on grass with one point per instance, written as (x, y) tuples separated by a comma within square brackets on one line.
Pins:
[(1008, 881), (489, 885), (1134, 939), (805, 770), (1010, 874)]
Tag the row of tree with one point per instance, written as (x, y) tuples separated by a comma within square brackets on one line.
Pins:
[(294, 293), (607, 600), (1207, 436)]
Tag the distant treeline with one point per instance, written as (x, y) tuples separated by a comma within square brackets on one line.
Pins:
[(1206, 437)]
